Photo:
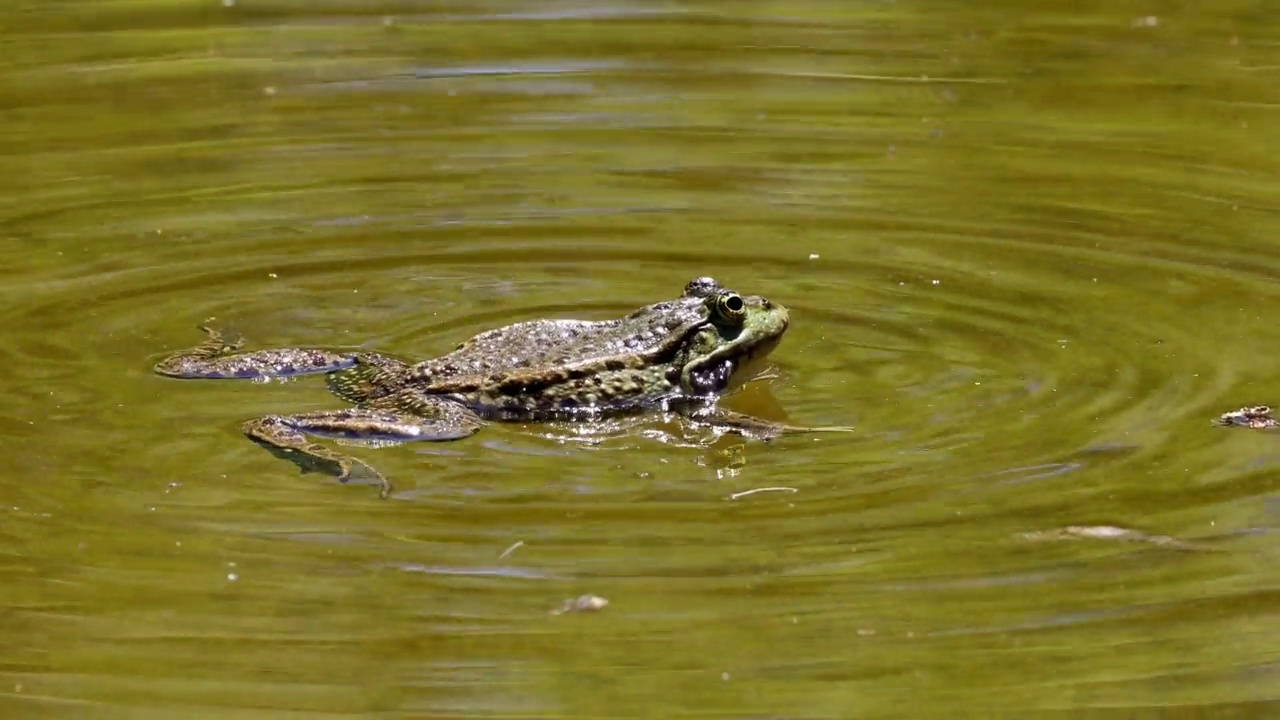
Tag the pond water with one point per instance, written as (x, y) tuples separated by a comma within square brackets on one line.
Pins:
[(1030, 252)]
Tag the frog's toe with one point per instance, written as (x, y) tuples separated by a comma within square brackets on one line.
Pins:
[(344, 470)]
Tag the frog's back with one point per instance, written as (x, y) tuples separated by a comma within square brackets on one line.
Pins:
[(548, 345)]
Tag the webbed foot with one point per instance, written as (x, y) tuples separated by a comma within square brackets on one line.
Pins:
[(278, 435), (397, 419)]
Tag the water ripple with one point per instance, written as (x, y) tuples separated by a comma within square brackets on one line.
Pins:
[(1027, 264)]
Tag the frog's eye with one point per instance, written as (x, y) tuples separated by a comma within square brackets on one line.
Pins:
[(731, 307), (701, 287)]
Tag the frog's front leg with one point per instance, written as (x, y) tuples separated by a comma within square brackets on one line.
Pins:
[(747, 425), (216, 359), (399, 418)]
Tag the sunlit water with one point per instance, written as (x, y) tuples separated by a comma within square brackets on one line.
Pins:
[(1029, 250)]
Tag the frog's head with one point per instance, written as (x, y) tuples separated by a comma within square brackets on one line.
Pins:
[(738, 332)]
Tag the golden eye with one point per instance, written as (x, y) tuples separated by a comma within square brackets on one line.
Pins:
[(730, 306)]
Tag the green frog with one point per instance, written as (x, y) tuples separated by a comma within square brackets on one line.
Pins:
[(674, 356)]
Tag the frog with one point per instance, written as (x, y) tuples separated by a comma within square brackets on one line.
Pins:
[(675, 356)]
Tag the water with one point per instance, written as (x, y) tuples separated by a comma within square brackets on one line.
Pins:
[(1029, 249)]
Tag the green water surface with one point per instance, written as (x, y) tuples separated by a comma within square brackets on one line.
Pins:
[(1030, 251)]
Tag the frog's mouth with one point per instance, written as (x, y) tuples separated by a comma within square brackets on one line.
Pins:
[(752, 364), (718, 376)]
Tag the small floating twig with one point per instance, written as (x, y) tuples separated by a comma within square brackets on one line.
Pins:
[(753, 491), (585, 603), (1109, 532), (511, 549)]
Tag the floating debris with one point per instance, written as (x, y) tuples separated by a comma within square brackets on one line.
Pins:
[(1257, 417), (753, 491), (1107, 532), (584, 603), (511, 549)]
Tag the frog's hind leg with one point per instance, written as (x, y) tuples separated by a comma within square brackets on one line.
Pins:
[(216, 359), (372, 375), (282, 438), (286, 435)]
